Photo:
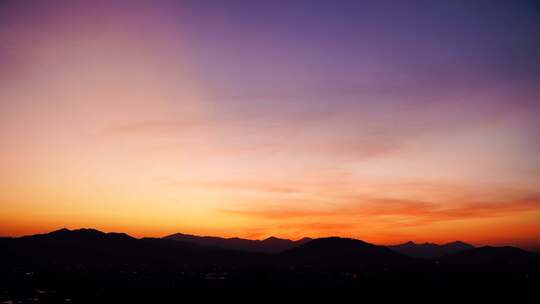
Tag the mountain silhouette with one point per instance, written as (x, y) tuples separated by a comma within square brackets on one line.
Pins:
[(269, 245), (87, 234), (93, 248), (488, 255), (90, 264), (336, 252), (430, 250)]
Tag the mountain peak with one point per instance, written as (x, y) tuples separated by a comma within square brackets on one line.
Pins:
[(60, 231), (430, 250), (84, 232), (273, 239), (304, 240), (458, 243), (88, 230), (335, 242), (271, 244), (338, 252)]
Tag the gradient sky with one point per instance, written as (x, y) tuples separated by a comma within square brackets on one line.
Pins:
[(386, 121)]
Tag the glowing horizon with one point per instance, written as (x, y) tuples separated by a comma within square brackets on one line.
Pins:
[(384, 122)]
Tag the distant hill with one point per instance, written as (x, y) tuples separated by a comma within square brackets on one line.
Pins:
[(430, 250), (92, 248), (87, 234), (269, 245), (89, 264), (336, 252), (487, 255)]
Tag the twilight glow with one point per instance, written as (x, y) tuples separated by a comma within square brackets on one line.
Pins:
[(385, 121)]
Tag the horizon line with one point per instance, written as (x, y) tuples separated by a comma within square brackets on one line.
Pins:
[(531, 248)]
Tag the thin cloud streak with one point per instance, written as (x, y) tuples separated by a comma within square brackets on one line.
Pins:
[(415, 212)]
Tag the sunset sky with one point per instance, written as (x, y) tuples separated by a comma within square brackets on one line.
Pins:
[(387, 121)]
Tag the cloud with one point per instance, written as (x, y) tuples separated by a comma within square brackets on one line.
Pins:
[(277, 214), (390, 210), (238, 186)]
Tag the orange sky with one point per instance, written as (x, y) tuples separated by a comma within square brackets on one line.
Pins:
[(125, 120)]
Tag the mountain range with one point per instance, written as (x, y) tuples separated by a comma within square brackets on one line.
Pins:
[(430, 250), (268, 245), (277, 245), (92, 266), (92, 246)]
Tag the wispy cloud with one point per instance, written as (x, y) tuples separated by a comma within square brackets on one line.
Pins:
[(407, 212), (262, 186)]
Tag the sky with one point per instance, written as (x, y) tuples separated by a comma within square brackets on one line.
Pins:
[(386, 121)]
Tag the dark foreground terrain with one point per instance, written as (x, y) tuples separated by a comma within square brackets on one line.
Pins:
[(89, 266)]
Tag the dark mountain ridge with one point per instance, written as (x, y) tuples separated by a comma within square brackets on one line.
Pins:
[(430, 250), (268, 245), (336, 252), (88, 264), (94, 248), (66, 247), (489, 255)]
